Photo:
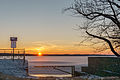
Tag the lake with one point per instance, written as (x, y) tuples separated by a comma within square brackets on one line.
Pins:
[(76, 61)]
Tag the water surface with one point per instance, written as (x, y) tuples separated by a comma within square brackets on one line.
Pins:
[(76, 61)]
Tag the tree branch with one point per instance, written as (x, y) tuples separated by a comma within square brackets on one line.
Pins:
[(106, 40)]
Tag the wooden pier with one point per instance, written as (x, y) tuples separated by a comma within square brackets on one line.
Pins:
[(17, 53)]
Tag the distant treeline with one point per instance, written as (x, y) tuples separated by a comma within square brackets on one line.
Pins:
[(75, 55), (8, 54)]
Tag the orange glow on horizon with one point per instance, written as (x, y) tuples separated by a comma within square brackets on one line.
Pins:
[(39, 54)]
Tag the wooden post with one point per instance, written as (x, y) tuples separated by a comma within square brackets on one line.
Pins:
[(4, 54), (24, 57), (27, 71), (13, 54), (73, 71), (18, 55)]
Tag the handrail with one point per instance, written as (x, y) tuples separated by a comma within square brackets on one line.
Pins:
[(9, 52), (12, 49)]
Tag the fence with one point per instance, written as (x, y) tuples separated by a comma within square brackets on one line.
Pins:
[(12, 54), (51, 70)]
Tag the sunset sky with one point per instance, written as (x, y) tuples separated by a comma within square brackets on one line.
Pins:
[(41, 26)]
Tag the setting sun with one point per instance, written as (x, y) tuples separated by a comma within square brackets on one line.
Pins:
[(39, 54)]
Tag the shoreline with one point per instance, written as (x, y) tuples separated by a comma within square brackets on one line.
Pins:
[(8, 54)]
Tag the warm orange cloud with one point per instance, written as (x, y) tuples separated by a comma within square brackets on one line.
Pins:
[(60, 47)]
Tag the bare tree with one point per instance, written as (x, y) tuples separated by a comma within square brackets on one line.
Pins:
[(104, 20)]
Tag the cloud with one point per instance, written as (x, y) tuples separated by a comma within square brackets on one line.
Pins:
[(59, 47)]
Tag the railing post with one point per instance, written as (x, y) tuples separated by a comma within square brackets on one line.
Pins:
[(24, 57), (13, 54), (18, 55), (4, 55), (27, 71), (73, 71)]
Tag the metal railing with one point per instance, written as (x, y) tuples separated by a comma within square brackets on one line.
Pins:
[(10, 54)]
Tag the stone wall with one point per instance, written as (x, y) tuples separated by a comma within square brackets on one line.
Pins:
[(103, 66)]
